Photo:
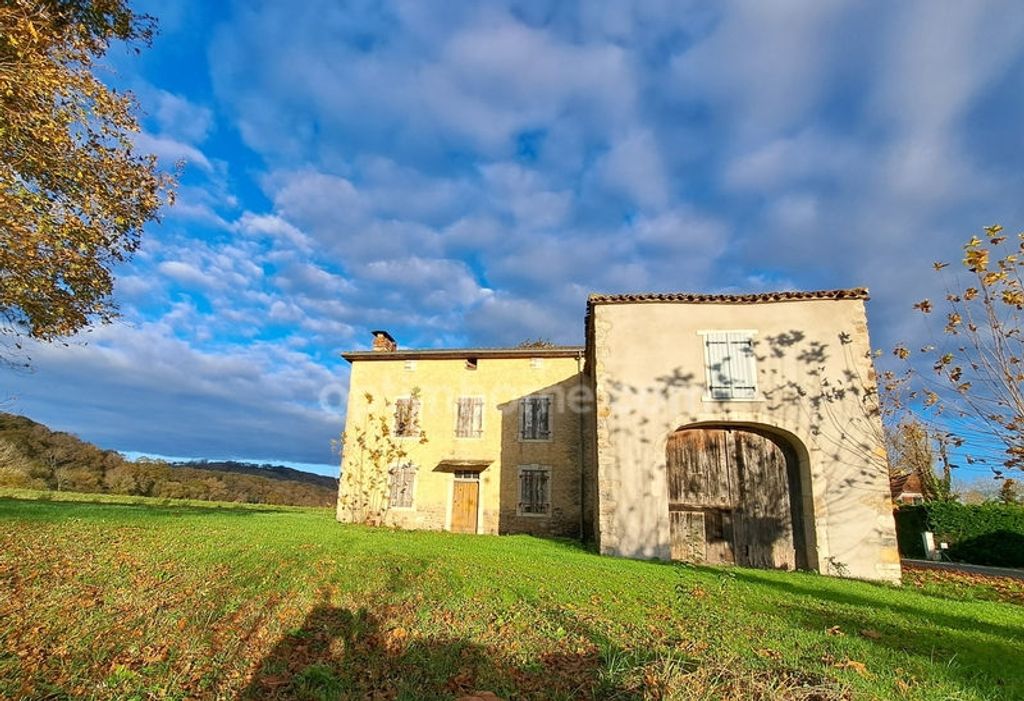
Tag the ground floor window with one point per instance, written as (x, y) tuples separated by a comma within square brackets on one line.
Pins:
[(403, 479), (534, 490)]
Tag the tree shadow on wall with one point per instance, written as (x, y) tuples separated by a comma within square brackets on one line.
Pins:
[(340, 654), (826, 387)]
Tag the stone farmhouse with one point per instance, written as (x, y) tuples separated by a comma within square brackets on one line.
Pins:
[(707, 428)]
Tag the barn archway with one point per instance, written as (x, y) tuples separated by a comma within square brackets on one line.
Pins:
[(736, 495)]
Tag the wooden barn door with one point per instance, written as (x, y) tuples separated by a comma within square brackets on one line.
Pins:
[(701, 498), (729, 499), (764, 521)]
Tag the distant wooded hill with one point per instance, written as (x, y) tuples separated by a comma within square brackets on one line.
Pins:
[(34, 457)]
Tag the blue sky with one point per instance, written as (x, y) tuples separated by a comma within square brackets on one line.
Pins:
[(465, 173)]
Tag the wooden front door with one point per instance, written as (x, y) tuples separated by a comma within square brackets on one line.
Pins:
[(729, 499), (465, 498)]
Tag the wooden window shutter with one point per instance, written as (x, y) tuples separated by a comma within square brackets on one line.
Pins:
[(543, 422), (469, 423), (534, 491), (463, 418), (535, 418), (403, 479), (526, 417), (477, 426), (406, 413)]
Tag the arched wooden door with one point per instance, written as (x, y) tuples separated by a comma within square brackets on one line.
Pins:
[(729, 498)]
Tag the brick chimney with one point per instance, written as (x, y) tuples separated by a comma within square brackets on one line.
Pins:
[(383, 341)]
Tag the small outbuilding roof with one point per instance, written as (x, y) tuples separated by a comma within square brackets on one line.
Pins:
[(701, 298)]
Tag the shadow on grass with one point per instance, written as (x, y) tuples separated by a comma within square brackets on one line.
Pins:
[(57, 509), (341, 653), (978, 652)]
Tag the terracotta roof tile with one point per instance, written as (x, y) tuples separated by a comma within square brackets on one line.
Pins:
[(701, 298)]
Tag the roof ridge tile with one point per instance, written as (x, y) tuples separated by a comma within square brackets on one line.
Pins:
[(739, 298)]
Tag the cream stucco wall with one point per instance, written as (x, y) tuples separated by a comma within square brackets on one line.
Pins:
[(816, 390), (501, 382)]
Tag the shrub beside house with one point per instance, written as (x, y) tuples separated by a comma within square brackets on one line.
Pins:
[(981, 534)]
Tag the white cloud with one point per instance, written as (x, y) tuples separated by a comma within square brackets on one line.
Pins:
[(766, 66), (184, 273), (502, 319), (181, 118), (806, 156), (498, 76), (309, 280), (170, 151), (633, 167), (431, 283), (527, 195), (275, 228)]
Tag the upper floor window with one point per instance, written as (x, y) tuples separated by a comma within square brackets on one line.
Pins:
[(407, 413), (402, 483), (535, 418), (469, 420), (731, 364)]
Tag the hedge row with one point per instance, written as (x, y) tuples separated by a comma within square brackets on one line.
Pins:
[(982, 534)]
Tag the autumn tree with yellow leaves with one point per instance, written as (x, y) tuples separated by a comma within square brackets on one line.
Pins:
[(74, 192), (972, 380)]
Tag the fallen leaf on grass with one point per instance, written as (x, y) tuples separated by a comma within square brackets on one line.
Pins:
[(858, 667), (871, 634)]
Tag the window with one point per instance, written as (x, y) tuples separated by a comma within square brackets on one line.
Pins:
[(534, 490), (407, 414), (471, 363), (731, 365), (403, 479), (469, 421), (535, 418)]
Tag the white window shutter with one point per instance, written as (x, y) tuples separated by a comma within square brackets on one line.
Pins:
[(744, 370), (718, 365), (731, 365)]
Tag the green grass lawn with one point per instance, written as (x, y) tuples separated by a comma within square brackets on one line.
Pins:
[(102, 598)]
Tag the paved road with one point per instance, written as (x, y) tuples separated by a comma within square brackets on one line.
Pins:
[(961, 567)]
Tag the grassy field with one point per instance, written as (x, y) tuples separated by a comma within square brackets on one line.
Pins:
[(101, 598)]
